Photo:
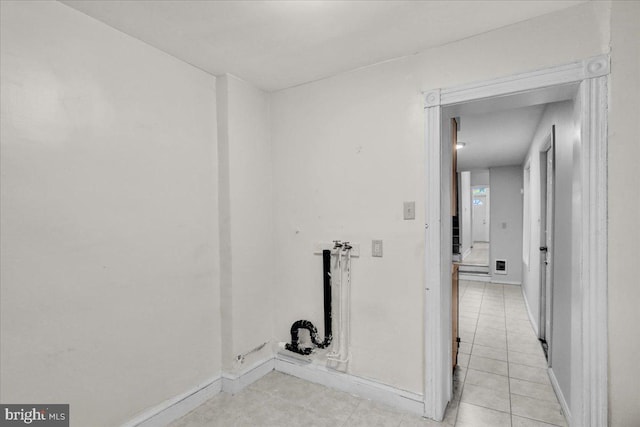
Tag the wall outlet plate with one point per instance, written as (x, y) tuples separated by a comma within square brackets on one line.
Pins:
[(318, 247)]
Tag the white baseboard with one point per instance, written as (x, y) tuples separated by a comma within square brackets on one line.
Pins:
[(532, 319), (474, 277), (563, 401), (233, 383), (506, 282), (368, 389), (174, 408)]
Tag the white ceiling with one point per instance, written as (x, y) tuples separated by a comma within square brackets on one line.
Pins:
[(497, 139), (279, 44)]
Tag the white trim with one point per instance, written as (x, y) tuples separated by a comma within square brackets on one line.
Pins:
[(487, 278), (589, 288), (432, 98), (437, 363), (233, 383), (506, 282), (568, 73), (176, 407), (560, 395), (362, 387), (547, 238), (589, 332), (474, 277), (532, 320)]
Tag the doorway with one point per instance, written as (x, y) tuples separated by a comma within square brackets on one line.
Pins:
[(547, 183), (475, 223), (589, 230)]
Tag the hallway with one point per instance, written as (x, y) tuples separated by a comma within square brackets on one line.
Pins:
[(501, 379)]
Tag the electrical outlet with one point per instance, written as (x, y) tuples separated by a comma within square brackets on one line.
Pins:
[(376, 248), (409, 210)]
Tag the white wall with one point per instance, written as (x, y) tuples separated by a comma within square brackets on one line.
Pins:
[(246, 229), (506, 222), (69, 81), (480, 177), (624, 205), (348, 150), (109, 218), (562, 115), (465, 212)]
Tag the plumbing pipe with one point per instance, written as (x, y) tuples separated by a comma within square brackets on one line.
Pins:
[(295, 329), (305, 324), (342, 354), (348, 304), (337, 347), (328, 318)]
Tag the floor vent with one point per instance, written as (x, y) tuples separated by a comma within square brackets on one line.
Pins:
[(501, 266)]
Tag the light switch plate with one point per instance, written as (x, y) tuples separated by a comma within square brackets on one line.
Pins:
[(409, 210), (376, 248)]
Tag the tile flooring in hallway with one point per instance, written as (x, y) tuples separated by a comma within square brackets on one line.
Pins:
[(501, 381)]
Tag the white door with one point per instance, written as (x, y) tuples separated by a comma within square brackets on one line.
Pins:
[(547, 174), (480, 214)]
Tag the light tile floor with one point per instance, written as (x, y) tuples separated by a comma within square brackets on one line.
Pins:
[(280, 400), (501, 380)]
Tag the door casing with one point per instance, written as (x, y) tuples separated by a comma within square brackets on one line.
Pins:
[(589, 404), (547, 186)]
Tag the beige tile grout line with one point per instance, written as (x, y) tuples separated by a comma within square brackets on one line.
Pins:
[(506, 337), (470, 351), (507, 352)]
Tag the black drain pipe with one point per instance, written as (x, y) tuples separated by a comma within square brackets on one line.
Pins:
[(326, 274), (305, 324)]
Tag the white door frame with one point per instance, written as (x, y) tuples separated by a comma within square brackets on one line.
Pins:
[(589, 265), (545, 267)]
